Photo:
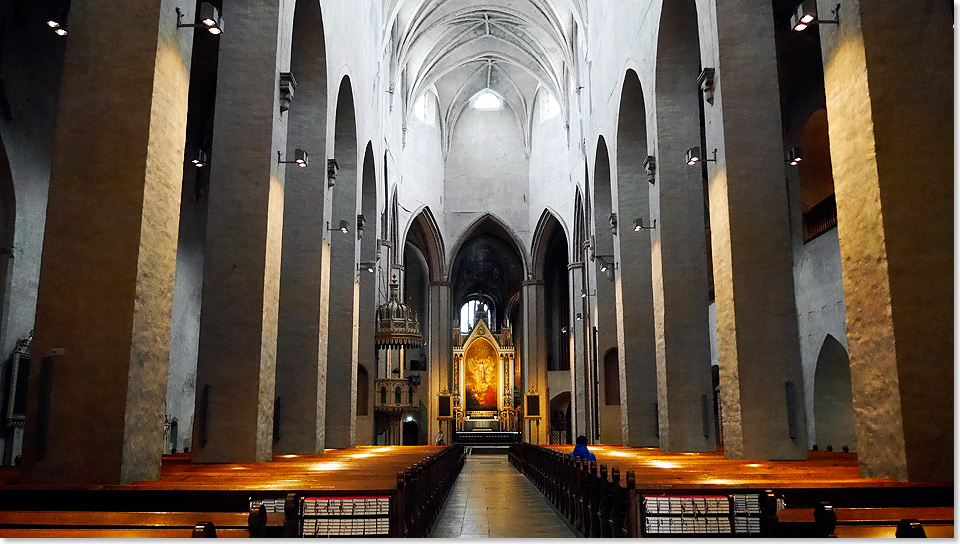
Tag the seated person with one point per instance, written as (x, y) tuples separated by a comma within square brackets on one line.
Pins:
[(581, 451)]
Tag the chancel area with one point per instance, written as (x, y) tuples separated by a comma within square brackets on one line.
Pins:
[(339, 267)]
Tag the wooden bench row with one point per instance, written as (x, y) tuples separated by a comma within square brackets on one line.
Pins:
[(605, 502), (416, 495)]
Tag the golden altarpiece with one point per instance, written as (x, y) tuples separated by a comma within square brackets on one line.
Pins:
[(485, 372)]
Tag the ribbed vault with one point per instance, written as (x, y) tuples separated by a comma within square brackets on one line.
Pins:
[(458, 49)]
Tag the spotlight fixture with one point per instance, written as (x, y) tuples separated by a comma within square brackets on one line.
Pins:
[(61, 31), (638, 225), (806, 15), (694, 156), (606, 265), (201, 159), (332, 168), (53, 24), (369, 267), (344, 226), (794, 156), (210, 19), (301, 158)]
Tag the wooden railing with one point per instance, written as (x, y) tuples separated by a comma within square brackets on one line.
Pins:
[(422, 490), (596, 501)]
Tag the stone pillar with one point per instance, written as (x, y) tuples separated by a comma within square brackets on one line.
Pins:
[(761, 382), (888, 71), (305, 262), (241, 283), (342, 356), (101, 348), (680, 280), (535, 358), (635, 328), (579, 409), (441, 350)]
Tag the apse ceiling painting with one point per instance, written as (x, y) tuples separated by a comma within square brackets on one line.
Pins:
[(457, 49)]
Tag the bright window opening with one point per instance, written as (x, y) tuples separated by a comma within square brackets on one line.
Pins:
[(468, 314), (488, 101), (549, 107), (423, 109)]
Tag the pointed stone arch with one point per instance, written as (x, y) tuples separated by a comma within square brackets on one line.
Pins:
[(424, 224), (300, 345), (635, 319), (547, 227), (500, 224), (833, 397)]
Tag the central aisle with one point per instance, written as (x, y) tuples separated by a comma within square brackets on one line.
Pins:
[(492, 499)]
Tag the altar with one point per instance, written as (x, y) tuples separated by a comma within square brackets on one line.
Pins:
[(484, 375)]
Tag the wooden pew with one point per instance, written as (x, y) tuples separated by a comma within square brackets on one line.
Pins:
[(51, 524), (599, 503), (139, 509), (936, 522)]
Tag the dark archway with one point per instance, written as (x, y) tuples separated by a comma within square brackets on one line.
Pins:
[(411, 433), (611, 378), (341, 350), (363, 391), (833, 398), (560, 419), (550, 261), (488, 264)]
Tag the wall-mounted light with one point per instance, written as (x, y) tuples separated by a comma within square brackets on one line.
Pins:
[(650, 166), (605, 264), (579, 317), (344, 227), (806, 15), (585, 294), (361, 221), (794, 156), (706, 83), (200, 160), (210, 19), (332, 168), (613, 223), (57, 26), (638, 225), (301, 158), (694, 156), (369, 267)]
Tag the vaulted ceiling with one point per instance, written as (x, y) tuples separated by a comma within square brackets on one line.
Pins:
[(458, 48)]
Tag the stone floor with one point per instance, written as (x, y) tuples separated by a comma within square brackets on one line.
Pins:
[(491, 499)]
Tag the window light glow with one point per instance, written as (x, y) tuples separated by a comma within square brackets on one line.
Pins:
[(468, 313), (424, 111), (549, 107), (487, 101)]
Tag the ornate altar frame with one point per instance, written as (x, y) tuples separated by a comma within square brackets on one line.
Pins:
[(506, 363)]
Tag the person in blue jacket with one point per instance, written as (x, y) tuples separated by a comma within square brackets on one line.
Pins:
[(581, 451)]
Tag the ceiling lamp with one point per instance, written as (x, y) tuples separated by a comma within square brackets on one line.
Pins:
[(397, 324), (487, 101)]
